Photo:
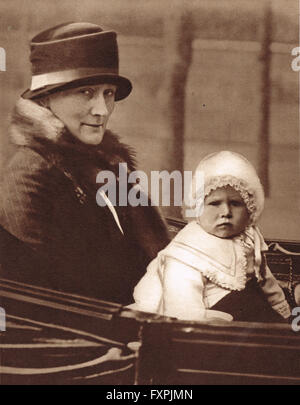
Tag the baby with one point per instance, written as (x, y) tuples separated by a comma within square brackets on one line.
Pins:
[(216, 262)]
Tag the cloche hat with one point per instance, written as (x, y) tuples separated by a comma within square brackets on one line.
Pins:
[(74, 54)]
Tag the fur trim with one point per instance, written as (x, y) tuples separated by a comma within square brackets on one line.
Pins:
[(36, 126), (34, 121)]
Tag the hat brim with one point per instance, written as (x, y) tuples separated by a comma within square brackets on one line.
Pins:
[(124, 86)]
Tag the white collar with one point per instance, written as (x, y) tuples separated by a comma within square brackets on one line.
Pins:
[(223, 261)]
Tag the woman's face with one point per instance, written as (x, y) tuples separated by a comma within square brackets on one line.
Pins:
[(225, 214), (85, 110)]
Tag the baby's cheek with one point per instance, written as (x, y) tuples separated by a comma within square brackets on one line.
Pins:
[(211, 210)]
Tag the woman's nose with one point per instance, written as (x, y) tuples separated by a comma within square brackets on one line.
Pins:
[(99, 106), (226, 211)]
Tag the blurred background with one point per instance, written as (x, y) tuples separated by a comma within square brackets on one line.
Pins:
[(208, 75)]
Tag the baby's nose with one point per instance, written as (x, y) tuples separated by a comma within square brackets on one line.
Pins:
[(225, 210)]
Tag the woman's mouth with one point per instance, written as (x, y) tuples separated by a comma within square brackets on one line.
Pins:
[(93, 125)]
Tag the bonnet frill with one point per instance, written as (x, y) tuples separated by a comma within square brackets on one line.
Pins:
[(228, 169)]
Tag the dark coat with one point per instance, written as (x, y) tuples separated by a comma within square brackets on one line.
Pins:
[(48, 202)]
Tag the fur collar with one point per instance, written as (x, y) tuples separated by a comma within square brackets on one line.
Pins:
[(37, 127)]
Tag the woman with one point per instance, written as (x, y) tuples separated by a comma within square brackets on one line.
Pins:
[(63, 239)]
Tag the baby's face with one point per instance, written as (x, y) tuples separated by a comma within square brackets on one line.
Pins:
[(225, 214)]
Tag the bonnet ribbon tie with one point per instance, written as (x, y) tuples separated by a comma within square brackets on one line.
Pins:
[(258, 243)]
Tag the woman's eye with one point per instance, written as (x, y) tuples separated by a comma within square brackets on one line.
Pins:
[(86, 92), (214, 203), (109, 92)]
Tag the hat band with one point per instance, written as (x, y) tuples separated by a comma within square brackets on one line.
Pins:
[(63, 76)]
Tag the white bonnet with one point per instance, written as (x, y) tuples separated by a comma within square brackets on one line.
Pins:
[(229, 168)]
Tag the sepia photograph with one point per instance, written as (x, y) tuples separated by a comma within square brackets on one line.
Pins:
[(149, 195)]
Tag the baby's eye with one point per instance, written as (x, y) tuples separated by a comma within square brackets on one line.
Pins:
[(214, 203), (236, 203)]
